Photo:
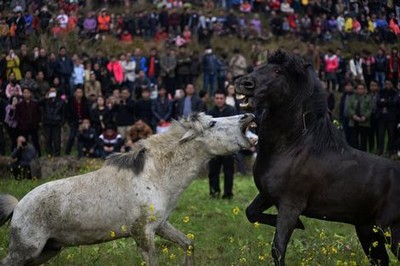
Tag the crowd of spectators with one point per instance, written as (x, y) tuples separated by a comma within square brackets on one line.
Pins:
[(109, 102)]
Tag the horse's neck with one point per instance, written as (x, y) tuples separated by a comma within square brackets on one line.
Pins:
[(278, 132), (184, 167)]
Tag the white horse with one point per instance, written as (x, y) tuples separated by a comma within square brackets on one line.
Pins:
[(132, 195)]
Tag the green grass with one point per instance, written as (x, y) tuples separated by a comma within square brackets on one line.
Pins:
[(222, 234)]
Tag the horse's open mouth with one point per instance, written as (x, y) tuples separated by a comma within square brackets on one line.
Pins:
[(249, 122), (244, 101)]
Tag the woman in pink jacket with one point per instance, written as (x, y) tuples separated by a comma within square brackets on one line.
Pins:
[(331, 66), (116, 69)]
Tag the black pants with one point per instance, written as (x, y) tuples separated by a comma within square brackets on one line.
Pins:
[(170, 85), (33, 133), (360, 137), (73, 132), (386, 125), (52, 135), (13, 135), (228, 163), (20, 171), (373, 132), (2, 140), (184, 80)]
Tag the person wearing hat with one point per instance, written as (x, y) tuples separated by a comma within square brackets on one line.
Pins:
[(28, 116)]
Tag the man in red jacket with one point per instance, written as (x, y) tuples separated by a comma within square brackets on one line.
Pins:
[(28, 116)]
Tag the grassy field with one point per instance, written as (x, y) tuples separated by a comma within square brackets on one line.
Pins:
[(222, 234)]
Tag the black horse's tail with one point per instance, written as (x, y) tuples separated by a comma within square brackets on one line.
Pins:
[(7, 206)]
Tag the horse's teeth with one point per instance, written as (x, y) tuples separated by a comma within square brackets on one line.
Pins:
[(253, 125), (244, 105), (240, 96)]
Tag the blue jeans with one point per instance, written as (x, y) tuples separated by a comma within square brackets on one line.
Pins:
[(209, 83), (380, 77)]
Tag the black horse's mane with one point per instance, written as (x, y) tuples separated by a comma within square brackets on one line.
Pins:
[(319, 133)]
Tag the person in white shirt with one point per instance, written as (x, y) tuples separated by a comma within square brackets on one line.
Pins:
[(78, 73), (62, 18), (129, 67)]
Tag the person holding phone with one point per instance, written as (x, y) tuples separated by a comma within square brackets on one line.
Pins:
[(25, 154), (12, 65)]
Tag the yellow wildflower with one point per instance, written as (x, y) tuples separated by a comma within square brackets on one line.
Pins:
[(261, 257), (388, 234), (339, 263), (375, 244), (190, 247), (324, 251), (143, 263), (151, 208), (242, 260), (186, 219), (165, 250), (152, 218), (322, 234), (353, 263), (190, 236), (236, 210), (375, 230), (112, 234), (172, 256), (352, 254), (189, 252), (231, 240), (256, 224), (123, 228), (334, 250)]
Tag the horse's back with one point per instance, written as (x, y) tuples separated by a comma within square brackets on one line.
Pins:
[(88, 204)]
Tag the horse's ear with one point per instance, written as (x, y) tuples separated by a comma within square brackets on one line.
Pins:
[(189, 135)]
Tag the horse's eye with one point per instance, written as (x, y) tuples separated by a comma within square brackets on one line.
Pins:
[(212, 123), (277, 72)]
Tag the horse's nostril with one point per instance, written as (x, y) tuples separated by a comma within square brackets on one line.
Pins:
[(248, 84)]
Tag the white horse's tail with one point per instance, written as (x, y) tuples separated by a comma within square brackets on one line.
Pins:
[(7, 205)]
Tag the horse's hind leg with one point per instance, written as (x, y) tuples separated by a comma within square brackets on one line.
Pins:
[(254, 212), (395, 243), (50, 250), (373, 244), (23, 249)]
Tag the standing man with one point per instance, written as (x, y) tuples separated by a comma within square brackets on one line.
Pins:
[(387, 108), (238, 64), (168, 64), (221, 109), (76, 110), (209, 64), (53, 118), (28, 116), (63, 70)]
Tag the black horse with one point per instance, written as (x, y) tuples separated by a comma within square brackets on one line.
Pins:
[(305, 167)]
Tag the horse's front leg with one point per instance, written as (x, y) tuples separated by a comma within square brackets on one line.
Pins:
[(288, 215), (169, 232), (254, 212), (144, 238)]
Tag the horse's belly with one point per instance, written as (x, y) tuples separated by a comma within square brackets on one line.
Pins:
[(341, 210)]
